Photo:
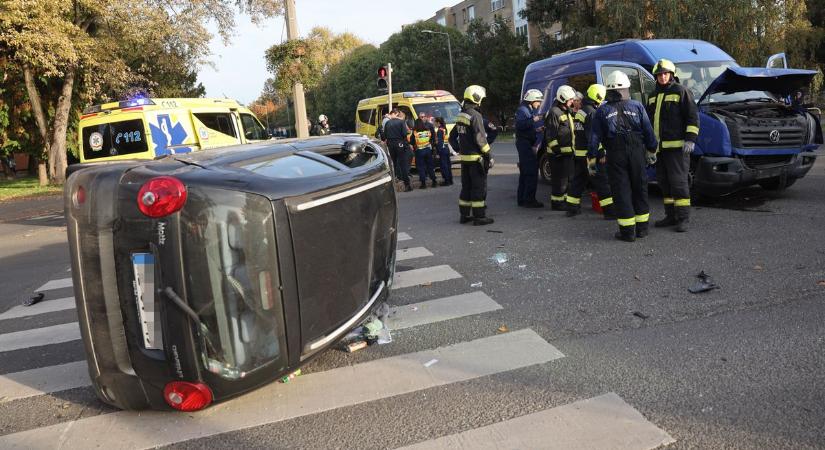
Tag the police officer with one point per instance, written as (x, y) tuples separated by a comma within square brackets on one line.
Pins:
[(470, 139), (396, 132), (589, 167), (560, 136), (621, 125), (529, 135), (676, 124)]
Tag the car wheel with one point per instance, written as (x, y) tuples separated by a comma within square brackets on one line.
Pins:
[(544, 167)]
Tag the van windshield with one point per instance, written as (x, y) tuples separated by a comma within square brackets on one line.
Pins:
[(447, 110), (698, 75)]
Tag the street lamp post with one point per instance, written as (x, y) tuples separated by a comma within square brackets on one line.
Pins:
[(449, 52)]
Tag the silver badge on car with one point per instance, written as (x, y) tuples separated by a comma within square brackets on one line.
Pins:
[(774, 136)]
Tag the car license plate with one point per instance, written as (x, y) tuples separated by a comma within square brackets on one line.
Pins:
[(148, 312)]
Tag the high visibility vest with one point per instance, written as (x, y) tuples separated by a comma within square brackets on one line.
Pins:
[(422, 138)]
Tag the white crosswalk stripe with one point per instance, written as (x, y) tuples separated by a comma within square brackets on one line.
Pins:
[(402, 236), (605, 421), (39, 336), (44, 307), (55, 284), (441, 309), (425, 275), (45, 380), (411, 253), (308, 394)]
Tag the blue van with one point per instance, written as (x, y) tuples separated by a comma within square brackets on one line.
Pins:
[(748, 132)]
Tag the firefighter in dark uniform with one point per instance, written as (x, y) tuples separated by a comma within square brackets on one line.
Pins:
[(529, 135), (675, 120), (589, 168), (621, 125), (470, 139), (560, 135)]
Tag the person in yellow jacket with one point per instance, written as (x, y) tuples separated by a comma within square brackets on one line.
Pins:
[(560, 135), (675, 120), (423, 141)]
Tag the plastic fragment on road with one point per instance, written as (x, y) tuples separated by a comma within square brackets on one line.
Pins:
[(705, 284), (500, 258), (353, 347), (291, 376), (641, 315), (479, 284), (384, 336), (34, 299), (430, 362), (495, 231), (503, 329), (372, 328)]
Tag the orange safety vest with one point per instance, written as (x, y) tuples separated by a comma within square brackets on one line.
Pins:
[(422, 138)]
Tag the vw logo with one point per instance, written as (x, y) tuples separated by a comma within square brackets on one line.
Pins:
[(774, 136)]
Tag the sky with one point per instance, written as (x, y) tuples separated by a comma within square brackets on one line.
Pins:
[(239, 70)]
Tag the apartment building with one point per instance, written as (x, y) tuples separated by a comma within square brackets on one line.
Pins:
[(461, 14)]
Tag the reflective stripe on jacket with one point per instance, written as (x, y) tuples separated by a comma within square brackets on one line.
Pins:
[(468, 136), (674, 115), (559, 131)]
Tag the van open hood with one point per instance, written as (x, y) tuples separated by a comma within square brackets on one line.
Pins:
[(777, 81)]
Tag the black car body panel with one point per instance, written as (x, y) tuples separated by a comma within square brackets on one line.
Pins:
[(280, 249)]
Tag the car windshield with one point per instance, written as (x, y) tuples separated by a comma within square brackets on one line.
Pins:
[(447, 110), (698, 75)]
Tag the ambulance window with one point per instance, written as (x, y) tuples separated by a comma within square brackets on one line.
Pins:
[(365, 115), (582, 81), (252, 130), (635, 80), (113, 139), (408, 115), (220, 122)]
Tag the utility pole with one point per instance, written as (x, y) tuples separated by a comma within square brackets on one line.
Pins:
[(389, 88), (301, 128)]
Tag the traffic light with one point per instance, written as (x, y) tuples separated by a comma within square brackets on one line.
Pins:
[(382, 77)]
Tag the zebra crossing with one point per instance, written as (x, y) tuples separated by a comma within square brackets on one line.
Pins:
[(603, 421)]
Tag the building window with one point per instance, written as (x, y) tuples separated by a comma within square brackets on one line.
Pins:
[(464, 15), (441, 21), (495, 5), (471, 12)]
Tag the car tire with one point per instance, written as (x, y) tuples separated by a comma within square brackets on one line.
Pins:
[(544, 167)]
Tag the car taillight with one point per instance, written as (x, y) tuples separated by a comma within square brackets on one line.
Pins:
[(79, 197), (161, 196), (186, 396)]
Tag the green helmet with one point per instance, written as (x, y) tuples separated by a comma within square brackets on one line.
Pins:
[(596, 92), (664, 65), (475, 94)]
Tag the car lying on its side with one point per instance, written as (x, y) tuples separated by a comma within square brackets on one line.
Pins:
[(201, 276)]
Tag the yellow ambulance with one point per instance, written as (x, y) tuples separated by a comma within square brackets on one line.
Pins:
[(438, 103), (146, 128)]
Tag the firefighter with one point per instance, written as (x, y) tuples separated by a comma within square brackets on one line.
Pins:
[(587, 167), (621, 125), (559, 134), (529, 135), (470, 139), (676, 123)]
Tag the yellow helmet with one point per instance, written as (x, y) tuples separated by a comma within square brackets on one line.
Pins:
[(596, 92), (475, 94), (664, 65)]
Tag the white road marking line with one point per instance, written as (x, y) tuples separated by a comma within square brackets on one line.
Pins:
[(605, 421), (45, 380), (415, 277), (39, 336), (441, 309), (309, 394), (55, 284), (43, 307), (410, 253), (402, 236)]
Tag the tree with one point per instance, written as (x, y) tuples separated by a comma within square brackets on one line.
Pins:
[(308, 60), (78, 50), (496, 42)]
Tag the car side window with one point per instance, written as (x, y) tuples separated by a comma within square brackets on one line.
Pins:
[(252, 129), (636, 92), (220, 122)]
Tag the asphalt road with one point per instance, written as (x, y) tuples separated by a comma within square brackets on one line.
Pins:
[(738, 367)]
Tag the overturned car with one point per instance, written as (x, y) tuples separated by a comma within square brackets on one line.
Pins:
[(201, 276)]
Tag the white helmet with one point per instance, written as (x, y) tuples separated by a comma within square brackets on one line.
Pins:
[(322, 118), (617, 80), (533, 95), (565, 94)]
